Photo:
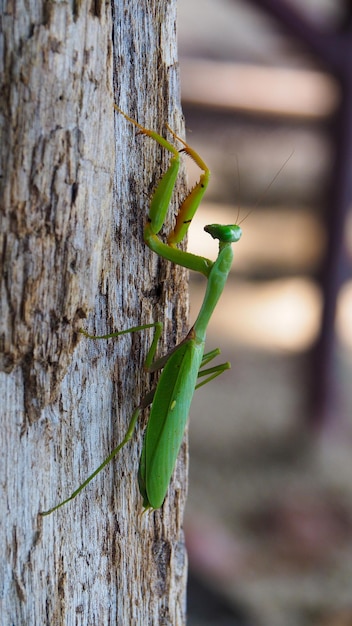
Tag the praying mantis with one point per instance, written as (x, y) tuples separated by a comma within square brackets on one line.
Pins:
[(180, 369)]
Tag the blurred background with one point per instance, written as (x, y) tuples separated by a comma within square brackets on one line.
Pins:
[(267, 98)]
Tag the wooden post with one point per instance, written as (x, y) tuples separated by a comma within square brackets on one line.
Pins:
[(75, 184)]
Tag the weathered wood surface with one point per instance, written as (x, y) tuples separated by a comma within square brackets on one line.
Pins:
[(75, 184)]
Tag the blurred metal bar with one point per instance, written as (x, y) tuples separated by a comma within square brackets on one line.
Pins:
[(332, 49)]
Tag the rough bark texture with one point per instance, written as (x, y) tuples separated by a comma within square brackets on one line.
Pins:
[(75, 184)]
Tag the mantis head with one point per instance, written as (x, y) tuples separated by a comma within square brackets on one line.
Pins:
[(226, 234)]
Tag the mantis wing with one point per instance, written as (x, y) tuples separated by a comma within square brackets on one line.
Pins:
[(167, 421)]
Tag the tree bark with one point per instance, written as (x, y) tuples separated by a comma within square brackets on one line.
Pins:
[(76, 178)]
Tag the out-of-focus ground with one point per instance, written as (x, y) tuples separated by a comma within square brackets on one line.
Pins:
[(269, 515)]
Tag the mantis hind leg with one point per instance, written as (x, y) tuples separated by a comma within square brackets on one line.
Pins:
[(109, 458), (146, 401)]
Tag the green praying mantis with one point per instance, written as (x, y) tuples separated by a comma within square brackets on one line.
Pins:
[(182, 367)]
